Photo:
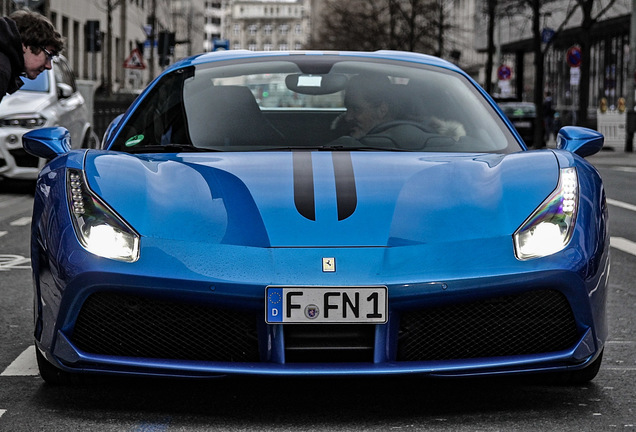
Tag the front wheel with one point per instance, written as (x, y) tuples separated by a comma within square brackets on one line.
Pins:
[(581, 376), (50, 374)]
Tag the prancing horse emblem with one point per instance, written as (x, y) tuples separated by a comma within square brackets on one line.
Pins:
[(328, 264)]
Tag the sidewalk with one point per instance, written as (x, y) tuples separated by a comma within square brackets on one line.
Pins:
[(613, 157), (608, 156)]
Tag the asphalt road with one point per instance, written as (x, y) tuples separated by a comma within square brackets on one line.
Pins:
[(382, 404)]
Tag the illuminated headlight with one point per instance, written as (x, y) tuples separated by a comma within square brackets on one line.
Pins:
[(27, 121), (549, 229), (98, 228)]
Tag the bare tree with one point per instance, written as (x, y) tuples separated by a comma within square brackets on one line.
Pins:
[(376, 24)]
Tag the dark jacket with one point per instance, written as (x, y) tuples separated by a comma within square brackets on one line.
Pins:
[(11, 57)]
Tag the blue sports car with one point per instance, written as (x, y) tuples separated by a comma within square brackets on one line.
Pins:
[(308, 213)]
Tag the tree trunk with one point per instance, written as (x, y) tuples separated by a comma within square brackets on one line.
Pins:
[(539, 127), (491, 45)]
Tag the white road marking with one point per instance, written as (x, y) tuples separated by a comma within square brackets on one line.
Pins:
[(624, 168), (23, 221), (3, 233), (623, 244), (9, 262), (621, 204), (2, 412), (24, 365)]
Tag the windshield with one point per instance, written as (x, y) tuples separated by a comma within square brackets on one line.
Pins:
[(39, 84), (314, 102)]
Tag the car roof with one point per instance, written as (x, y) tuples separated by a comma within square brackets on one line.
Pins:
[(379, 55)]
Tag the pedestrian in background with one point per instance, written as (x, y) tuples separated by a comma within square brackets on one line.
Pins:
[(548, 118), (28, 43)]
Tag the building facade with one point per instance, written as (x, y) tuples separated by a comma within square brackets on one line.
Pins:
[(560, 27), (267, 25)]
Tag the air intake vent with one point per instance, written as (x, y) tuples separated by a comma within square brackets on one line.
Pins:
[(333, 343), (124, 325), (534, 322)]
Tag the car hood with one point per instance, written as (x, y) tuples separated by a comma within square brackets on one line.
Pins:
[(24, 102), (323, 199)]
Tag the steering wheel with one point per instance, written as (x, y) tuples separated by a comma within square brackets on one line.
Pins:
[(394, 123)]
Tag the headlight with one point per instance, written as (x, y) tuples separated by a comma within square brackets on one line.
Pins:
[(549, 229), (98, 228), (27, 121)]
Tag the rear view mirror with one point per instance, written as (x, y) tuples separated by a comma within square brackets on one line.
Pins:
[(311, 84)]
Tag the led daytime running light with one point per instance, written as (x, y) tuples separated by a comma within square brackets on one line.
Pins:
[(98, 228), (550, 227)]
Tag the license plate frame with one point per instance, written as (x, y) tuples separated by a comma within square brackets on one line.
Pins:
[(326, 304)]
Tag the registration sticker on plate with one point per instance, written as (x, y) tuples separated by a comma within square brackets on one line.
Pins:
[(326, 304)]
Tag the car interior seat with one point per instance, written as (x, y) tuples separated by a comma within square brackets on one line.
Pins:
[(228, 116)]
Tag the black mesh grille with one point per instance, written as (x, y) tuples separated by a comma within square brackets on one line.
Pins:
[(125, 325), (534, 322)]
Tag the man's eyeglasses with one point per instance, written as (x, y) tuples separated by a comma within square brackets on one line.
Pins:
[(49, 55)]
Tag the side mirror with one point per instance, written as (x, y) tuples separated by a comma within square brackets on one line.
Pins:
[(64, 91), (582, 141), (47, 143)]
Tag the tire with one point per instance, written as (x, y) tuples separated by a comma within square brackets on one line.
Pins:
[(581, 376), (51, 374)]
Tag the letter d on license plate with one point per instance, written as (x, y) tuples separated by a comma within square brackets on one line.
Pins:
[(326, 304)]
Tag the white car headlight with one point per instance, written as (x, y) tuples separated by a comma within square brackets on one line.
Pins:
[(549, 229), (26, 121), (98, 228)]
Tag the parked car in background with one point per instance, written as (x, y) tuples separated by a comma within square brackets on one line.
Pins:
[(52, 99), (522, 115), (261, 213)]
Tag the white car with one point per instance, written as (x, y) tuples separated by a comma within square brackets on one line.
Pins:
[(52, 99)]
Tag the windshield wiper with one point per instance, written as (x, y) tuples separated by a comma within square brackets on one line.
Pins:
[(168, 148), (328, 147)]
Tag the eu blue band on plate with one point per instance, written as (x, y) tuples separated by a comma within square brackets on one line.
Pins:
[(275, 305)]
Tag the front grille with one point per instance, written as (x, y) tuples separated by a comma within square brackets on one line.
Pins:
[(23, 159), (533, 322), (125, 325), (332, 343)]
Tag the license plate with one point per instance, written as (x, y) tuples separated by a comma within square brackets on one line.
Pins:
[(522, 124), (326, 304)]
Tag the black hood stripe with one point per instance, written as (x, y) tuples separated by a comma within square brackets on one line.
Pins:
[(345, 184), (304, 193), (304, 185)]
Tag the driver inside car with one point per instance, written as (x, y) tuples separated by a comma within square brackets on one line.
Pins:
[(369, 102), (377, 116)]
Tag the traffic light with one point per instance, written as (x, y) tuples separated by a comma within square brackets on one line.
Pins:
[(92, 36), (165, 46)]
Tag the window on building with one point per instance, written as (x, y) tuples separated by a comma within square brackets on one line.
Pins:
[(268, 29), (252, 29), (283, 29)]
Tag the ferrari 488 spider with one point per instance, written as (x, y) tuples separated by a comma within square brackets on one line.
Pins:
[(307, 213)]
